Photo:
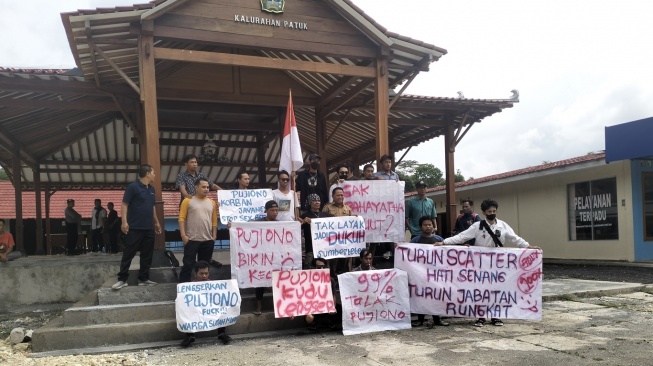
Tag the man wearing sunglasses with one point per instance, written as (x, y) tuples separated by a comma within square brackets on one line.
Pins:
[(286, 198)]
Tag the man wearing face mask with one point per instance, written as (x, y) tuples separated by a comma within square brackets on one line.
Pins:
[(343, 175), (480, 231), (311, 181)]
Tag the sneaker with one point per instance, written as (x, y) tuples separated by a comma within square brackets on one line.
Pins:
[(479, 322), (224, 338), (440, 322), (118, 285), (387, 254), (497, 322), (147, 283), (188, 341)]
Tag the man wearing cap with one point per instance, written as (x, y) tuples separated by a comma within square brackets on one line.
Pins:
[(418, 207), (311, 181), (72, 223), (271, 213)]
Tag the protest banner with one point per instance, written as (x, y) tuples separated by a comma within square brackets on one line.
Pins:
[(473, 282), (338, 237), (302, 292), (374, 301), (239, 205), (260, 247), (207, 305), (381, 203)]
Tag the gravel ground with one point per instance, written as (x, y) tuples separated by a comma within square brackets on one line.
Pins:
[(210, 351)]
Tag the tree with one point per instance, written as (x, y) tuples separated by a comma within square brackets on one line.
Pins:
[(3, 175), (410, 171), (459, 176)]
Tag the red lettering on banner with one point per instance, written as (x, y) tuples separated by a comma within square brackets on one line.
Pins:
[(302, 292)]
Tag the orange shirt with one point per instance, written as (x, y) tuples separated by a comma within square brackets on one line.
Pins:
[(7, 240)]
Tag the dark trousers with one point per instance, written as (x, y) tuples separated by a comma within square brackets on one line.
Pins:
[(195, 251), (113, 239), (137, 241), (259, 292), (96, 237), (71, 238)]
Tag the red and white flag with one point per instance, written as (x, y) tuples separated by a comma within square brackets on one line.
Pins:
[(291, 151)]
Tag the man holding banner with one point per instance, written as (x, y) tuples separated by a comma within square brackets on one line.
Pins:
[(490, 232), (271, 213), (202, 274)]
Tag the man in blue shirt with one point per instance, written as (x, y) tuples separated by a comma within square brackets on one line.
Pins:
[(139, 223), (417, 207)]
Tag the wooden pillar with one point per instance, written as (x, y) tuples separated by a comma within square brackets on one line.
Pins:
[(18, 191), (39, 215), (450, 177), (150, 151), (260, 160), (381, 104), (320, 139), (48, 225)]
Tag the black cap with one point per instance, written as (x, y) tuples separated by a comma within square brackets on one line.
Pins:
[(420, 184), (70, 200), (271, 204), (314, 156)]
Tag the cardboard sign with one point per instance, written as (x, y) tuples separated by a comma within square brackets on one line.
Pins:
[(260, 247), (207, 305), (374, 301), (381, 203), (473, 282), (302, 292), (338, 237), (243, 204)]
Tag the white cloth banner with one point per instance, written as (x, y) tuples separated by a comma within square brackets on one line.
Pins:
[(473, 282), (338, 237), (302, 292), (239, 205), (374, 301), (260, 247), (207, 305), (381, 203)]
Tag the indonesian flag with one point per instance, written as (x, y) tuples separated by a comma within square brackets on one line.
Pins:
[(291, 151)]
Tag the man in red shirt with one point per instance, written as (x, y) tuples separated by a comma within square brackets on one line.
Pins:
[(7, 245)]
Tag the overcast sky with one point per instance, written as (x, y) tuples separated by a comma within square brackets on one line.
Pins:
[(578, 65)]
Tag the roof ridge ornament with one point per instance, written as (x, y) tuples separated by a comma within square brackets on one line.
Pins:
[(515, 95), (273, 6)]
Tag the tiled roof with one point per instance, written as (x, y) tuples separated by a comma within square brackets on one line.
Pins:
[(84, 200), (523, 171)]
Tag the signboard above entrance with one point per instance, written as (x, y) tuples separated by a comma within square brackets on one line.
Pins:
[(271, 6)]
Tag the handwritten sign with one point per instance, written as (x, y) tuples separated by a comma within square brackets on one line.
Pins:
[(374, 301), (208, 305), (338, 237), (302, 292), (260, 247), (473, 282), (381, 203), (243, 204)]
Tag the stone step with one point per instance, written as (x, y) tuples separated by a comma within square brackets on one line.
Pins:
[(145, 311), (56, 336)]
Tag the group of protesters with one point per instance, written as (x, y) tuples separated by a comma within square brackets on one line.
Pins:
[(199, 217)]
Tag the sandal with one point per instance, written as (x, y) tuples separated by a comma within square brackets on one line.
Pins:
[(256, 312), (497, 322)]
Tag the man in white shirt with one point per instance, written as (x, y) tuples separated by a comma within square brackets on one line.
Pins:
[(286, 198)]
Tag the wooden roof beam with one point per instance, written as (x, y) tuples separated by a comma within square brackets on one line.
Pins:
[(171, 124), (344, 99), (8, 142), (106, 58), (187, 142), (34, 104), (262, 62)]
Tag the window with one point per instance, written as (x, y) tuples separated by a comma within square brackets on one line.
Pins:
[(593, 210)]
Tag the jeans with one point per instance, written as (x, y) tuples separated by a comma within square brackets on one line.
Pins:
[(202, 250)]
